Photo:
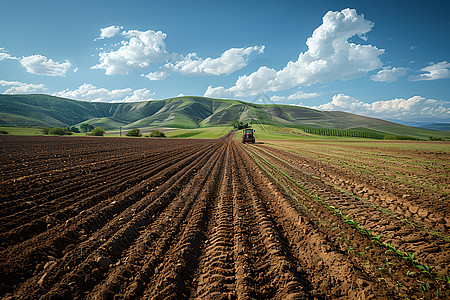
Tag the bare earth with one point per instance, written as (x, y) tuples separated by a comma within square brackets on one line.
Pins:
[(111, 218)]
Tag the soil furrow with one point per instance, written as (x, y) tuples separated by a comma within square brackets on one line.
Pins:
[(178, 270), (81, 226), (120, 218), (216, 276), (52, 198), (413, 240), (363, 253), (281, 278)]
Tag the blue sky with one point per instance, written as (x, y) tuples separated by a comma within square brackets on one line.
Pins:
[(386, 59)]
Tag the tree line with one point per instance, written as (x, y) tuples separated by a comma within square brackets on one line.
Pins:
[(84, 128)]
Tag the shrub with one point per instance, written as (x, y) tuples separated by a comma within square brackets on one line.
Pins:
[(98, 131), (4, 132), (157, 133), (57, 131), (74, 129), (86, 127), (134, 132), (432, 138)]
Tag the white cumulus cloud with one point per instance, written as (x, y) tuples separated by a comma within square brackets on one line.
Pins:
[(434, 71), (89, 92), (158, 75), (139, 95), (109, 32), (17, 87), (301, 95), (275, 99), (296, 96), (345, 103), (41, 65), (389, 74), (139, 50), (229, 61), (330, 56), (413, 108), (5, 55), (216, 92)]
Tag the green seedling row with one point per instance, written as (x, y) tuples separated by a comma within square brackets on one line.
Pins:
[(409, 257), (430, 231)]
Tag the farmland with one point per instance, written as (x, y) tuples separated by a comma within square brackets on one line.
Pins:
[(298, 218)]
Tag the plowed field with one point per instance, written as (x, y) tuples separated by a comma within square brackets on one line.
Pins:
[(111, 218)]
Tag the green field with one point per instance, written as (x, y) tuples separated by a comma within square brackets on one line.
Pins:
[(22, 130), (271, 132), (200, 133), (263, 133), (414, 132)]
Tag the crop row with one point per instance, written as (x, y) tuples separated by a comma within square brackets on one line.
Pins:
[(289, 184)]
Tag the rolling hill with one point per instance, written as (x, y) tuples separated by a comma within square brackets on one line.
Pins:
[(179, 112)]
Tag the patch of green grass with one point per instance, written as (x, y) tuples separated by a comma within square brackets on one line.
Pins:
[(105, 122), (413, 131), (23, 130), (279, 135), (185, 135), (200, 133)]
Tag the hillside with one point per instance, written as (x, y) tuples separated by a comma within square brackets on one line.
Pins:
[(179, 112)]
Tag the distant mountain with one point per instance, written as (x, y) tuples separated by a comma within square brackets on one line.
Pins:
[(437, 126), (179, 112)]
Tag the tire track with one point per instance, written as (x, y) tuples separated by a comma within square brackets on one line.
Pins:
[(198, 219), (216, 278)]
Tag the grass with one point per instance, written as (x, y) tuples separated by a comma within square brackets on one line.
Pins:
[(200, 133), (106, 123), (22, 130), (413, 131), (295, 135)]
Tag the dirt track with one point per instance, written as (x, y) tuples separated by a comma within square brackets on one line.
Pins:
[(94, 218)]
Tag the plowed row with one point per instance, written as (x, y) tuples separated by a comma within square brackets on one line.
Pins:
[(93, 218)]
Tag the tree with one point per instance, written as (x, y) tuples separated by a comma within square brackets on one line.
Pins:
[(134, 132), (57, 131), (157, 133), (86, 127), (45, 130), (98, 131), (74, 129), (236, 124)]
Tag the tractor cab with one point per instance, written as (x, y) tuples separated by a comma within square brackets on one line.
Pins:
[(248, 136)]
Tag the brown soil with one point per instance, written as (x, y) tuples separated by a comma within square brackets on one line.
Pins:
[(111, 218)]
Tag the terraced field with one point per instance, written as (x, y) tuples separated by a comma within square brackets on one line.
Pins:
[(111, 218)]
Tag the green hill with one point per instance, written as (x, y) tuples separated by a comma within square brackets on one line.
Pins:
[(181, 112)]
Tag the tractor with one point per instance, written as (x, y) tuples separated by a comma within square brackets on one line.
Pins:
[(248, 136)]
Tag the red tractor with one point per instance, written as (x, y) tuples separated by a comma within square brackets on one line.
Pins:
[(248, 136)]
